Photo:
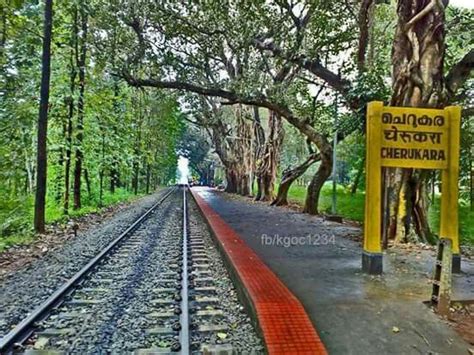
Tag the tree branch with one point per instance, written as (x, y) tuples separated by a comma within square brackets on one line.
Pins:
[(421, 14), (261, 100), (468, 111), (459, 73), (312, 65), (364, 20), (178, 85)]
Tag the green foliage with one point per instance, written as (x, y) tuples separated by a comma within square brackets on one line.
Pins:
[(352, 207), (16, 215), (55, 213), (351, 155), (466, 220), (128, 133), (348, 206), (131, 137)]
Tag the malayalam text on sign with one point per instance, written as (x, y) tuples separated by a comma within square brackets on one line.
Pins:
[(415, 138)]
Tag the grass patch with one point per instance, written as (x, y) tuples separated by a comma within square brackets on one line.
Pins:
[(466, 221), (54, 209), (348, 206), (16, 217), (23, 238), (352, 207)]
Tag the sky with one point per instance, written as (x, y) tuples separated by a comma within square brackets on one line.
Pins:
[(183, 170), (463, 3)]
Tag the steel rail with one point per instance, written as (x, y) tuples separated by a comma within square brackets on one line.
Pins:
[(25, 328), (184, 316)]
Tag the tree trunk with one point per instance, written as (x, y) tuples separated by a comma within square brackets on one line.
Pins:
[(243, 150), (268, 167), (59, 177), (234, 147), (136, 171), (4, 11), (88, 182), (289, 176), (42, 162), (102, 169), (148, 176), (67, 165), (72, 90), (318, 180), (418, 58), (231, 180), (101, 187), (3, 38), (136, 162), (81, 63), (259, 148)]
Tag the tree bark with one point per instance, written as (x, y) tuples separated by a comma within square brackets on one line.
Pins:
[(138, 142), (59, 177), (259, 147), (81, 63), (114, 170), (418, 59), (88, 182), (365, 15), (318, 180), (136, 171), (3, 38), (268, 166), (231, 180), (4, 11), (101, 187), (242, 149), (234, 146), (289, 176), (42, 158), (68, 153), (102, 168), (148, 176)]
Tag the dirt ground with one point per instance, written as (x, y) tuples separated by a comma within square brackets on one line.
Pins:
[(462, 319)]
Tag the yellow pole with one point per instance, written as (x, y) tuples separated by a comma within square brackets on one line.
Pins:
[(372, 255), (449, 222)]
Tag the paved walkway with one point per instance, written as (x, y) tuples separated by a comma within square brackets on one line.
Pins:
[(284, 324), (353, 313)]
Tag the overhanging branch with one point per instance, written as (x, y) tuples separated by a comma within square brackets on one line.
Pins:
[(364, 21), (233, 98), (459, 73), (312, 65)]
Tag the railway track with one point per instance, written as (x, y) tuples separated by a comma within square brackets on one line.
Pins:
[(152, 290)]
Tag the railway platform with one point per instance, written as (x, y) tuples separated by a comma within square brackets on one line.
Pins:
[(319, 263)]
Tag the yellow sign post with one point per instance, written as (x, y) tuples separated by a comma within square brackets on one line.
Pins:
[(409, 137)]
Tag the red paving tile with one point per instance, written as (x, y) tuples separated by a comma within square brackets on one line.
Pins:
[(286, 327)]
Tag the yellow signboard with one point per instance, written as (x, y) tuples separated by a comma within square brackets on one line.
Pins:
[(409, 137), (414, 138)]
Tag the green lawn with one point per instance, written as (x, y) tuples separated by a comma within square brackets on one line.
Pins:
[(16, 216), (352, 207)]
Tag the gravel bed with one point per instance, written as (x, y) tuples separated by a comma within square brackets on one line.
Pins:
[(123, 286), (131, 301), (24, 290), (240, 333)]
